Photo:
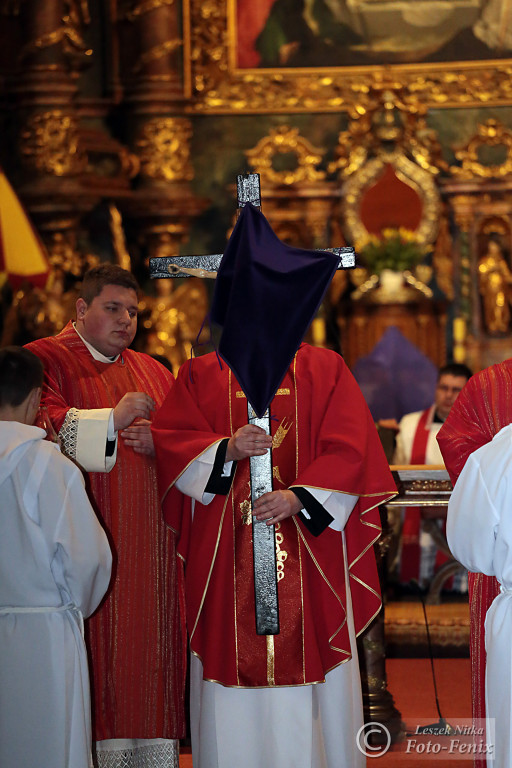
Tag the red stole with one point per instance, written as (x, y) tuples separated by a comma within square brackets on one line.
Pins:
[(273, 660), (411, 550), (311, 592)]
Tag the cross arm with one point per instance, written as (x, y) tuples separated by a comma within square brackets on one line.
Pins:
[(207, 266), (248, 191)]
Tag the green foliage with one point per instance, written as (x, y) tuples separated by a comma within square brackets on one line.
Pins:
[(396, 249)]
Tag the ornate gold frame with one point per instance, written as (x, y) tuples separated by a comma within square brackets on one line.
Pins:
[(413, 175), (213, 84)]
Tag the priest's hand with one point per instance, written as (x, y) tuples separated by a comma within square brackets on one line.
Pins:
[(138, 436), (249, 440), (133, 405), (276, 506)]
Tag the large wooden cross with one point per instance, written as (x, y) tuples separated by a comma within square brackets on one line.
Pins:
[(264, 546)]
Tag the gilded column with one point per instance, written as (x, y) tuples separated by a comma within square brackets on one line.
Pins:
[(44, 89), (48, 161), (157, 131), (464, 319)]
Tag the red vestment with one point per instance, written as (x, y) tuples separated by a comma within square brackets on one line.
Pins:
[(135, 637), (323, 438), (481, 410)]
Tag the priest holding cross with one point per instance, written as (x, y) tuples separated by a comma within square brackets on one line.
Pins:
[(273, 682)]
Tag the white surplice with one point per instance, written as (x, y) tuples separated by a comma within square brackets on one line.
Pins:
[(479, 531), (55, 565), (407, 432), (307, 726)]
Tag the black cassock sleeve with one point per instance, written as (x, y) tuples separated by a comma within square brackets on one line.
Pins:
[(217, 483), (319, 519)]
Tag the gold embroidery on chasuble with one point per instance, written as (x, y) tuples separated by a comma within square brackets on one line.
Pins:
[(281, 554), (283, 391), (281, 432), (278, 438), (246, 512), (277, 475), (246, 507)]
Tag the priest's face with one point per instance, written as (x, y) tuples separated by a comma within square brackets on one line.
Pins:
[(109, 322), (447, 391)]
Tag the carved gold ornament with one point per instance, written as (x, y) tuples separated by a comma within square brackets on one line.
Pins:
[(146, 6), (284, 140), (387, 118), (442, 260), (163, 147), (50, 142), (75, 16), (118, 237), (491, 134), (63, 255), (157, 52), (173, 322), (421, 181)]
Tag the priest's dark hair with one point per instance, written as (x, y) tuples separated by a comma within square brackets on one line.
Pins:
[(20, 372), (96, 278), (455, 369)]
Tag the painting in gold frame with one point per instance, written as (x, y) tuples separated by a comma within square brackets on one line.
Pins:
[(220, 80)]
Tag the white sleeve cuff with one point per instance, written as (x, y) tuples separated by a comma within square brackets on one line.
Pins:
[(111, 434), (93, 432), (338, 505), (194, 479)]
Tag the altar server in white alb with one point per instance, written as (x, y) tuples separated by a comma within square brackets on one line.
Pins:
[(55, 565), (479, 531), (416, 443)]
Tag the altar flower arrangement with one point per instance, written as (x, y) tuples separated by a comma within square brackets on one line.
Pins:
[(395, 249)]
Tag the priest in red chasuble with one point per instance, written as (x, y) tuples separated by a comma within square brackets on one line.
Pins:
[(294, 698), (100, 396), (482, 409)]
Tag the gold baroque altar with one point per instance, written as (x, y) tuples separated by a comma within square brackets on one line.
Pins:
[(104, 108)]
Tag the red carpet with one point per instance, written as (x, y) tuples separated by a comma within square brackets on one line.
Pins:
[(410, 683)]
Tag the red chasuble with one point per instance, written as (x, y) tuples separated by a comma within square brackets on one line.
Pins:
[(324, 438), (481, 410), (135, 637)]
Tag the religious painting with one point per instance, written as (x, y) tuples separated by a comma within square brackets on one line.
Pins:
[(322, 55), (330, 33)]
